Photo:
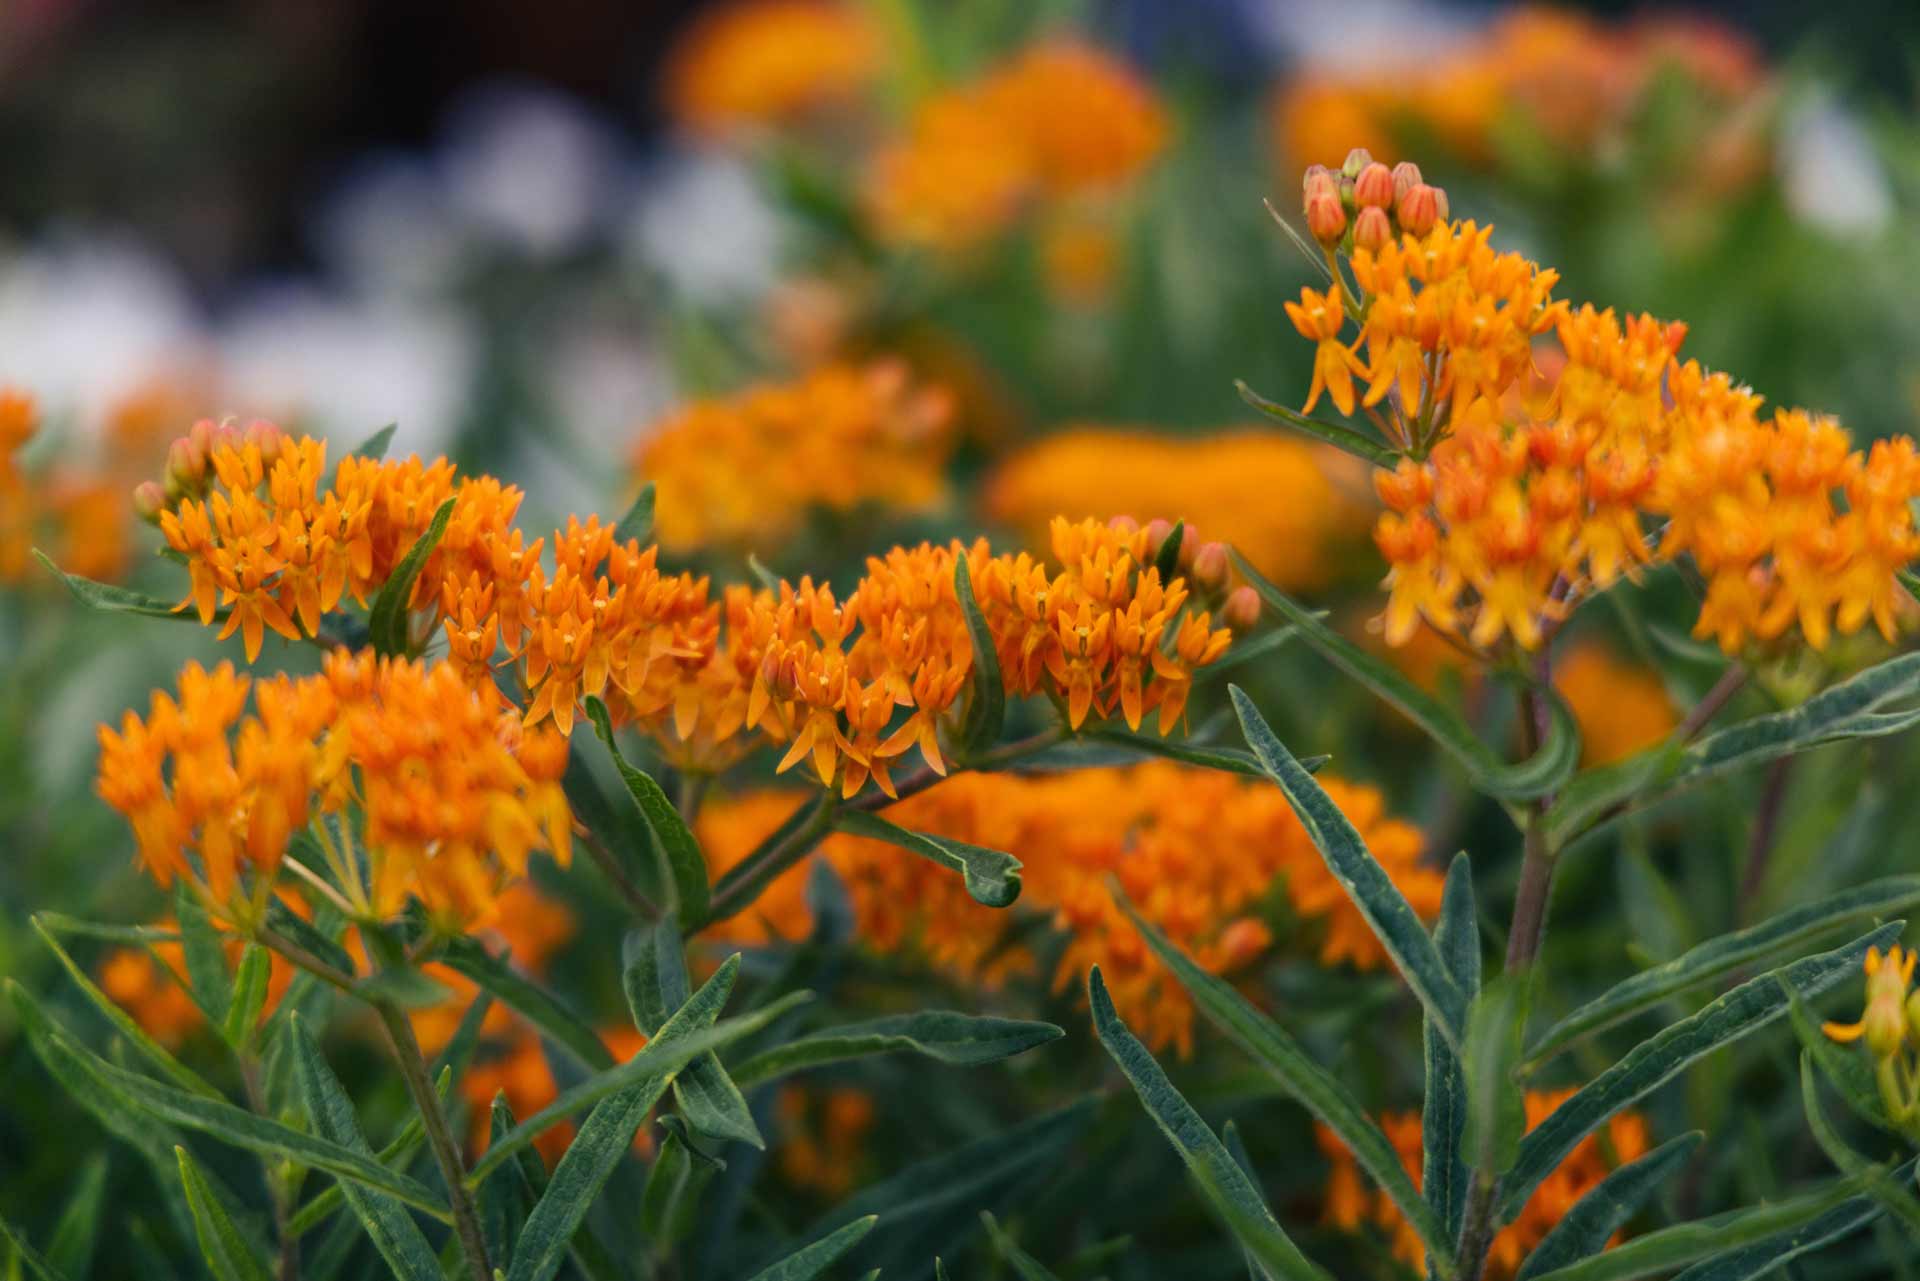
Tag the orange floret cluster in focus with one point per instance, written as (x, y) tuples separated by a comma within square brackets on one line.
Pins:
[(1284, 504), (1199, 853), (1351, 1201), (456, 794), (771, 63), (745, 470), (1061, 122)]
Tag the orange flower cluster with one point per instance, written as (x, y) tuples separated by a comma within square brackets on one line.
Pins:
[(1531, 475), (455, 794), (1351, 1201), (1574, 79), (1061, 122), (79, 517), (1197, 851), (771, 63), (266, 544), (845, 436), (1284, 504)]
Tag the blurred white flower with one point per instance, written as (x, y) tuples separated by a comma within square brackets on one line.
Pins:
[(1347, 36), (1828, 170), (348, 367), (529, 166), (703, 224), (388, 226), (86, 322)]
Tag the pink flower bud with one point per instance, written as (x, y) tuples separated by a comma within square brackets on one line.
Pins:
[(1372, 229), (1406, 176), (1242, 610), (149, 500), (1157, 530), (1326, 220), (1420, 209), (1125, 525), (1210, 567), (1373, 188), (1357, 159), (1316, 177)]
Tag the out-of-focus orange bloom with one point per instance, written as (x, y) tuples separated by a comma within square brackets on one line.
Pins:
[(1351, 1202), (820, 1144), (1621, 708), (149, 985), (770, 63), (1197, 852)]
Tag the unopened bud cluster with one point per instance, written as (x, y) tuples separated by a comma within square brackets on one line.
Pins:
[(1364, 204), (188, 472), (1208, 569)]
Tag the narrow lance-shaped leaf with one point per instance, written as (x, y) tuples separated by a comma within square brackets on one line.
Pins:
[(1318, 1090), (637, 523), (670, 1202), (1443, 1117), (1024, 1265), (1772, 1253), (221, 1245), (1844, 1067), (1891, 1196), (1167, 560), (37, 1265), (395, 1156), (375, 446), (959, 1039), (1496, 1107), (992, 878), (1725, 954), (1605, 1208), (387, 620), (605, 1137), (527, 998), (813, 1260), (1751, 1006), (205, 953), (1347, 439), (987, 710), (249, 996), (330, 1112), (1380, 902), (1222, 1181), (112, 599), (685, 864), (1540, 774), (655, 980), (70, 1249)]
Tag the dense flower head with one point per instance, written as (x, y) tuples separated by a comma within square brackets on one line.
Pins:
[(1284, 504), (1352, 1202), (1062, 121), (1543, 443), (77, 514), (746, 469), (455, 794), (771, 63), (1198, 852)]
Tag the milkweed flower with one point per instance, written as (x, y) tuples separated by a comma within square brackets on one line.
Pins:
[(149, 983), (1621, 708), (771, 64), (1351, 1203)]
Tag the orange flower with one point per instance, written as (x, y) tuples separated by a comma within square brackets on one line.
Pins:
[(1319, 317), (1621, 709), (770, 63)]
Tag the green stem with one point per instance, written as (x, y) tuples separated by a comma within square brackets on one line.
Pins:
[(446, 1153)]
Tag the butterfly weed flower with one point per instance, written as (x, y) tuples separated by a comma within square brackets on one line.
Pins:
[(771, 64), (1890, 1029)]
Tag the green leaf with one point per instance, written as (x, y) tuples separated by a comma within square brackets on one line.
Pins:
[(637, 524), (670, 1202), (987, 705), (317, 941), (405, 987), (124, 1023), (655, 980), (1899, 1203), (1591, 795), (375, 446), (607, 1135), (1166, 561), (1661, 1251), (222, 1120), (1386, 910), (1225, 1185), (249, 996), (1747, 1008), (206, 955), (1845, 1068), (1771, 1253), (661, 1057), (1232, 760), (811, 1261), (394, 1156), (1723, 955), (387, 620), (1316, 1089), (1445, 1175), (963, 1040), (500, 1200), (1496, 1107), (1539, 775), (70, 1249), (685, 864), (112, 599), (1605, 1208), (1024, 1265), (330, 1113), (39, 1267), (1357, 443), (543, 1010), (221, 1244), (992, 877)]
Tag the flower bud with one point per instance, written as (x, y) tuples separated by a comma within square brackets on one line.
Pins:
[(1242, 610), (1406, 176), (149, 500), (186, 463), (1316, 178), (1419, 209), (1124, 525), (1440, 204), (1243, 941), (1357, 159), (1157, 530), (1210, 566), (1373, 188), (1189, 545), (1326, 220), (1372, 230)]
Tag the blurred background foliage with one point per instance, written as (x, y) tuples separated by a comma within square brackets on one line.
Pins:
[(512, 232)]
